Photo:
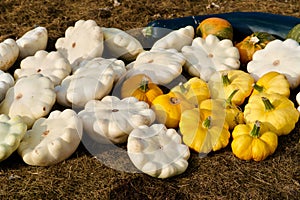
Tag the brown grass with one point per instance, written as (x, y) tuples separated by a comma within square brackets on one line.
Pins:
[(220, 175)]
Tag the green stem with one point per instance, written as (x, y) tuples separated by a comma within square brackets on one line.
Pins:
[(256, 129), (144, 85), (182, 88), (225, 79), (268, 104), (258, 87), (229, 99), (207, 122)]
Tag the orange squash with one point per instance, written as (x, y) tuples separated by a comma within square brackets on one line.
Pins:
[(141, 87), (217, 26), (252, 43)]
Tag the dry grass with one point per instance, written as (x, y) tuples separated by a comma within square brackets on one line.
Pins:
[(220, 175)]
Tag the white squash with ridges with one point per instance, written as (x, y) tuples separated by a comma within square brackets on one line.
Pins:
[(6, 81), (12, 131), (52, 140), (91, 80), (84, 40), (9, 52), (52, 65), (206, 56), (32, 97), (158, 151), (112, 119), (279, 56), (32, 41)]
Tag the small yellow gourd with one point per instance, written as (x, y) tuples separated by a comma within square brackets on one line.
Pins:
[(203, 131), (275, 111), (232, 80), (250, 142), (168, 108), (233, 114), (195, 90), (272, 82)]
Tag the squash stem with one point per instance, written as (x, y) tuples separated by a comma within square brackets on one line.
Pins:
[(256, 129), (225, 79), (229, 99), (268, 105), (258, 87), (183, 89), (207, 122), (144, 85)]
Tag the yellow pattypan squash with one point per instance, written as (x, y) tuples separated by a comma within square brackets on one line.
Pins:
[(233, 114), (168, 108), (203, 131), (272, 82), (232, 80), (141, 87), (275, 111), (251, 142), (195, 90)]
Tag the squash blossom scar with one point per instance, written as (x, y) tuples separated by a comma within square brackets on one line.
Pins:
[(210, 55), (276, 62), (45, 133), (174, 100), (115, 110), (73, 44), (19, 96)]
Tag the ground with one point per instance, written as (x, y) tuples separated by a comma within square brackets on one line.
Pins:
[(220, 175)]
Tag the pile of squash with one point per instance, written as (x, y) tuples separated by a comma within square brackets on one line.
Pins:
[(195, 90)]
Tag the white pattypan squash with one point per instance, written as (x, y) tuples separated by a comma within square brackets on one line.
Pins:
[(298, 101), (206, 56), (162, 66), (53, 139), (6, 81), (32, 97), (52, 65), (9, 53), (176, 39), (158, 151), (121, 44), (32, 41), (90, 81), (12, 131), (279, 56), (117, 65), (113, 118), (83, 40)]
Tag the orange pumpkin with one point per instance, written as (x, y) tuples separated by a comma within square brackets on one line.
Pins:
[(141, 87), (252, 43), (217, 26)]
